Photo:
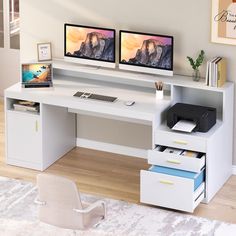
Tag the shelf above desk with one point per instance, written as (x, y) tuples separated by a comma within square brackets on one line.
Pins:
[(126, 77)]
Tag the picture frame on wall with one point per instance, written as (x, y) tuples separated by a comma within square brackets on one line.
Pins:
[(44, 51), (223, 22)]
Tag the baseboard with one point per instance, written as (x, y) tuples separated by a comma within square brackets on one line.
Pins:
[(108, 147), (234, 170)]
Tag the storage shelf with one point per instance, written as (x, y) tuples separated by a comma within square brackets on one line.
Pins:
[(25, 112), (125, 77), (208, 134)]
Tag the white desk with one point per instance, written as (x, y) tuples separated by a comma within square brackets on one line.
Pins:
[(37, 140)]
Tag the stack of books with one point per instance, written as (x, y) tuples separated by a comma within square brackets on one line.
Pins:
[(216, 72), (26, 106)]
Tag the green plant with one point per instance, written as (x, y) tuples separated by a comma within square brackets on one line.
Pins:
[(198, 62)]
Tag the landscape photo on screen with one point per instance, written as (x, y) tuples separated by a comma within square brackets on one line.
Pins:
[(36, 73), (90, 43), (146, 50)]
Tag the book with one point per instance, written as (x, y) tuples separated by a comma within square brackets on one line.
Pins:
[(210, 71), (221, 72), (212, 74), (26, 106), (215, 75), (216, 72), (207, 73)]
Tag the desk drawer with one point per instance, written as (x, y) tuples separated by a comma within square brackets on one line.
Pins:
[(180, 140), (170, 191), (160, 158)]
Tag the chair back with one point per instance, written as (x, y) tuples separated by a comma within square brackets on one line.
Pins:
[(61, 197)]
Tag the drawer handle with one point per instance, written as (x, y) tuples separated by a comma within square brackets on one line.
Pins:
[(180, 142), (174, 161), (166, 182), (36, 126)]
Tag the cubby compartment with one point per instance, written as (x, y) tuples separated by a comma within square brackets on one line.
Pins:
[(199, 97), (171, 188), (23, 106), (159, 157)]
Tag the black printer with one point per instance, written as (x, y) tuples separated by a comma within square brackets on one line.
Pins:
[(204, 117)]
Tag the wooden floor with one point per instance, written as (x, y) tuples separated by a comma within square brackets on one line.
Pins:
[(115, 176)]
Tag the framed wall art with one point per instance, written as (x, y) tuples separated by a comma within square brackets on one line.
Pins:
[(223, 22), (44, 52)]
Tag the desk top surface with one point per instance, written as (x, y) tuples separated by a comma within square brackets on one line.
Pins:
[(145, 107)]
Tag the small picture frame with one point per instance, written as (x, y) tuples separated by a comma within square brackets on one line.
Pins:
[(44, 51)]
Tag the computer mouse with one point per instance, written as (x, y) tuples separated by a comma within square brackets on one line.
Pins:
[(129, 103)]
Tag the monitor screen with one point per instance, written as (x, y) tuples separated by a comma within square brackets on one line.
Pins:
[(90, 44), (147, 51), (36, 73)]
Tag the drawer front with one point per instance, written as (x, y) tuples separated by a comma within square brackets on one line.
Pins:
[(156, 157), (169, 191), (179, 140)]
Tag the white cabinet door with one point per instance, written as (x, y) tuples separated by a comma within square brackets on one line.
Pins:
[(24, 139)]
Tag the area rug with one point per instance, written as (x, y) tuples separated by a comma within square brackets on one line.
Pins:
[(18, 217)]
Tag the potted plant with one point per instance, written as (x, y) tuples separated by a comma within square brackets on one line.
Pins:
[(195, 64)]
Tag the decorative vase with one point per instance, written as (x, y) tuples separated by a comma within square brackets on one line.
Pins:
[(196, 75)]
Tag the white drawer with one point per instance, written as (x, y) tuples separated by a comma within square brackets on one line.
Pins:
[(170, 191), (180, 140), (160, 158)]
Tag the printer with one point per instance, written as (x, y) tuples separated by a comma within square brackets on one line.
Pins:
[(204, 117)]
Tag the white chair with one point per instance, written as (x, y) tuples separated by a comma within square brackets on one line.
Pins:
[(60, 204)]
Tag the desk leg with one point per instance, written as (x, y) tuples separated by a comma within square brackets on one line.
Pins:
[(58, 133)]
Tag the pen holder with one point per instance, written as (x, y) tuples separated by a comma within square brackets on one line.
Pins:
[(159, 94)]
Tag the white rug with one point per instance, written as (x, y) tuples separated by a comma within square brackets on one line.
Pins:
[(18, 217)]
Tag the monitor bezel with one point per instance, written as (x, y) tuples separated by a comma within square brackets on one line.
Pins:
[(147, 34), (89, 27)]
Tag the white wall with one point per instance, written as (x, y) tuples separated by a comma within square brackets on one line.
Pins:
[(9, 58), (187, 20), (9, 67)]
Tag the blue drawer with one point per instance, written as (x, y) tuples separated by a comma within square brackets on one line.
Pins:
[(198, 178)]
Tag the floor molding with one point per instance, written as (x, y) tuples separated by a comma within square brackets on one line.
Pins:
[(108, 147), (234, 170)]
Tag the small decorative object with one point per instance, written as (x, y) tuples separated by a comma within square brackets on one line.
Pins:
[(159, 90), (44, 52), (196, 64), (223, 21)]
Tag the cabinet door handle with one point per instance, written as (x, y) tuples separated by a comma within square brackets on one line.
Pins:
[(180, 142), (36, 126), (167, 182), (174, 161)]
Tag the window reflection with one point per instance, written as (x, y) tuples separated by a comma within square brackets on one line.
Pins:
[(1, 25), (14, 24)]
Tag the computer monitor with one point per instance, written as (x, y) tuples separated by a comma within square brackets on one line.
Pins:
[(36, 75), (149, 53), (89, 45)]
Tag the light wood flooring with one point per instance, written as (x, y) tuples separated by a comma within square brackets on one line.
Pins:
[(115, 176)]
